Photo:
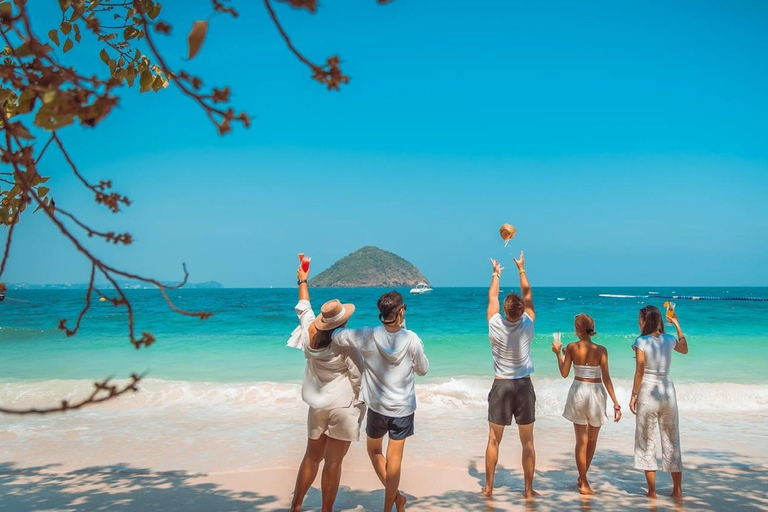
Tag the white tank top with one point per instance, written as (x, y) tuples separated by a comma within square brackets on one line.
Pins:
[(584, 371)]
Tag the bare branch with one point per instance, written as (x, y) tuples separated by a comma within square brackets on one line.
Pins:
[(104, 391), (8, 241), (63, 322), (330, 74)]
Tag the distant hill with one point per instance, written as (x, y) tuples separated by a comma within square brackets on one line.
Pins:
[(126, 285), (369, 267)]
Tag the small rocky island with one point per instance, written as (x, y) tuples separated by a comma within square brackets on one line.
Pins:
[(369, 267)]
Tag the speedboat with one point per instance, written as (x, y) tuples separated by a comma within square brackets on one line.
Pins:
[(421, 288)]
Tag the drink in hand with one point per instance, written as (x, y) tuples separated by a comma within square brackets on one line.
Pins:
[(670, 310)]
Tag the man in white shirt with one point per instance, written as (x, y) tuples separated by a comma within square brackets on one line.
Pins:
[(392, 355), (512, 393)]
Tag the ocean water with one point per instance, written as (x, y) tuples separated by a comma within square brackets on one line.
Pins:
[(224, 394), (244, 342), (245, 339)]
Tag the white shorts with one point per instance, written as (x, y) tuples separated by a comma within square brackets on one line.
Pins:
[(342, 423), (586, 404)]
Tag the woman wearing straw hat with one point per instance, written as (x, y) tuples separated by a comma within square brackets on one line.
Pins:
[(331, 388), (585, 406)]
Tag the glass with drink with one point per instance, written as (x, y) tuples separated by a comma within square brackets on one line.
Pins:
[(670, 310)]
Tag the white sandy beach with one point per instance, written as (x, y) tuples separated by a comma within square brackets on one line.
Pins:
[(166, 450)]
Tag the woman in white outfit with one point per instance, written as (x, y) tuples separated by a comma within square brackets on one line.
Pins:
[(654, 400), (331, 388), (585, 406)]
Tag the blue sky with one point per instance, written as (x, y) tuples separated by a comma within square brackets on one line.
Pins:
[(625, 140)]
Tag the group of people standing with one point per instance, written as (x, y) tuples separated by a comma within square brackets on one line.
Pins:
[(373, 368)]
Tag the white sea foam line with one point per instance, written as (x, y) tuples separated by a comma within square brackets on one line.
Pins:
[(157, 395)]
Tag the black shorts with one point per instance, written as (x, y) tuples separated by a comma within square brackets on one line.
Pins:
[(398, 428), (512, 397)]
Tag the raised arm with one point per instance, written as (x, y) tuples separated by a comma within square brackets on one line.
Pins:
[(609, 385), (682, 344), (563, 360), (305, 332), (525, 287), (639, 372), (493, 290)]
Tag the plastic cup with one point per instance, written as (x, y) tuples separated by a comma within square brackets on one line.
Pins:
[(556, 336), (305, 263)]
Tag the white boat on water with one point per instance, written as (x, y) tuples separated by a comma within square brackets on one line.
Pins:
[(421, 288)]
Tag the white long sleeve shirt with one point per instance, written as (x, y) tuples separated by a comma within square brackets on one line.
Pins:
[(391, 359), (333, 375)]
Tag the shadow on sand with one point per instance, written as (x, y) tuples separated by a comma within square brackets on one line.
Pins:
[(727, 482), (117, 488)]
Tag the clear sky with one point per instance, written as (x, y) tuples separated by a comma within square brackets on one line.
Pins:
[(627, 142)]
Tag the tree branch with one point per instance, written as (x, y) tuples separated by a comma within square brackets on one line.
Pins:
[(104, 391)]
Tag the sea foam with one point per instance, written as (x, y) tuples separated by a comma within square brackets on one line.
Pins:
[(469, 392)]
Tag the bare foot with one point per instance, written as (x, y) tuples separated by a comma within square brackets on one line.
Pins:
[(487, 493), (584, 488), (400, 502), (296, 508), (677, 494), (651, 494), (531, 494)]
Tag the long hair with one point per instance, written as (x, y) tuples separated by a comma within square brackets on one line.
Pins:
[(652, 321), (323, 338)]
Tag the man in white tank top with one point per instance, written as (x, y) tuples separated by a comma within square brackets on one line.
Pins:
[(512, 393)]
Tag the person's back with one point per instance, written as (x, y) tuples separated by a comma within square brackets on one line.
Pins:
[(586, 356), (512, 394), (511, 346), (658, 353), (332, 381), (333, 374), (392, 355), (586, 403), (391, 359), (654, 400)]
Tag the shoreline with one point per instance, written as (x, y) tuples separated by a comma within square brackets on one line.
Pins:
[(173, 455)]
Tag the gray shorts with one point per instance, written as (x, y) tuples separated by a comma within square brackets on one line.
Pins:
[(512, 398)]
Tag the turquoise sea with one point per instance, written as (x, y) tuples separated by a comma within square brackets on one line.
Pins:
[(223, 395), (245, 339)]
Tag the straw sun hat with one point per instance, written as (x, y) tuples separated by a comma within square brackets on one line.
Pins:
[(333, 314)]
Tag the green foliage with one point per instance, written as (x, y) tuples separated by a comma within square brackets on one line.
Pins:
[(369, 267)]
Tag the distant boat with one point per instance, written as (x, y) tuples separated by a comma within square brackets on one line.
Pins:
[(421, 288), (561, 298), (2, 296)]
